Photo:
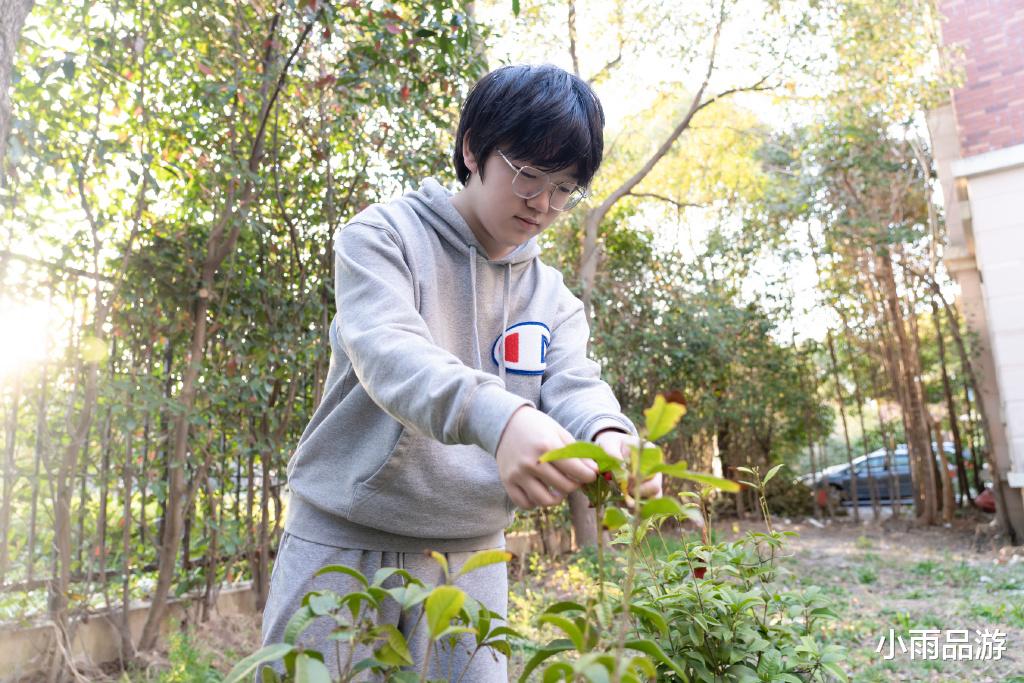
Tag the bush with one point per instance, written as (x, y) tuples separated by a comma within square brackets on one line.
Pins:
[(788, 497), (701, 612)]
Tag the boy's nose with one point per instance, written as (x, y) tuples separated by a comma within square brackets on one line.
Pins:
[(541, 203)]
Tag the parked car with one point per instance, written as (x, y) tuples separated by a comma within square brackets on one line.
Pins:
[(874, 467)]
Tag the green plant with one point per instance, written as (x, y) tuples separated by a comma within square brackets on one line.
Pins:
[(787, 497), (448, 611), (706, 612), (867, 575), (688, 610), (187, 663)]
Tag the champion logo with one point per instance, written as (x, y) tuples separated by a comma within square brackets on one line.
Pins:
[(526, 348)]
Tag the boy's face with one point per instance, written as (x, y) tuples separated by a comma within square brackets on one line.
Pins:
[(499, 218)]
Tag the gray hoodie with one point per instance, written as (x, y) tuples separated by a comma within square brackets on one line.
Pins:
[(399, 454)]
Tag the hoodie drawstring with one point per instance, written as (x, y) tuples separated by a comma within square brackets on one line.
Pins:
[(504, 317), (505, 305), (472, 288)]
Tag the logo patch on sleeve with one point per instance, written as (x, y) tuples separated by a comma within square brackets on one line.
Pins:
[(526, 348)]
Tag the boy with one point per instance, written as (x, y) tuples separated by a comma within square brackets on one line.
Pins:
[(458, 360)]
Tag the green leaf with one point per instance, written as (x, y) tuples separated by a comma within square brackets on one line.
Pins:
[(771, 473), (310, 670), (557, 671), (443, 603), (595, 673), (651, 617), (342, 569), (652, 649), (661, 506), (244, 669), (483, 559), (564, 606), (410, 595), (662, 417), (549, 650), (650, 457), (515, 8), (614, 518), (394, 651), (385, 573), (567, 626), (268, 675), (583, 449), (441, 560), (321, 603), (835, 670), (455, 630), (302, 618), (674, 470)]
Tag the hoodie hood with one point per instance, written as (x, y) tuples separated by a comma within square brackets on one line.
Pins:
[(433, 204)]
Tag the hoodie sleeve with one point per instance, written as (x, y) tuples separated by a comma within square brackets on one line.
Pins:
[(572, 391), (389, 345)]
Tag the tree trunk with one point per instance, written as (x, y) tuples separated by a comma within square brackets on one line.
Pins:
[(855, 500), (858, 396), (932, 484), (917, 431), (12, 18), (946, 485), (954, 423)]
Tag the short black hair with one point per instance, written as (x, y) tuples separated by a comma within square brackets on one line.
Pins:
[(539, 114)]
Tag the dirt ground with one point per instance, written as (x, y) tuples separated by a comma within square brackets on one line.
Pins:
[(887, 575), (897, 575)]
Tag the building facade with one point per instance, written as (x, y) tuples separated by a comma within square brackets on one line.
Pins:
[(978, 145)]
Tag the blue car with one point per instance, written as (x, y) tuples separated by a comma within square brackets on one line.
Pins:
[(875, 467)]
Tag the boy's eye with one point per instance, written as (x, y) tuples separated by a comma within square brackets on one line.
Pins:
[(529, 173), (566, 189)]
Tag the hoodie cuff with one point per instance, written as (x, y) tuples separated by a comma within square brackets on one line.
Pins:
[(598, 424), (490, 408)]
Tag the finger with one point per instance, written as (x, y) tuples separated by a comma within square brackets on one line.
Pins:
[(519, 497), (577, 469), (651, 488), (567, 438), (539, 494), (552, 477)]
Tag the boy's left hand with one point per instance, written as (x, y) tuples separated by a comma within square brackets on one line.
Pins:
[(618, 444)]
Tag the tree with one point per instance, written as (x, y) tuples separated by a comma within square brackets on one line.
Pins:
[(12, 18), (204, 157)]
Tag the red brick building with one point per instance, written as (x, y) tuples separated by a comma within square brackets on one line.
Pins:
[(978, 143)]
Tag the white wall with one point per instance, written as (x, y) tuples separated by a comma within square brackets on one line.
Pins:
[(997, 213)]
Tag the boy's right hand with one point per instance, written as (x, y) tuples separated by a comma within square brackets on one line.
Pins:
[(530, 483)]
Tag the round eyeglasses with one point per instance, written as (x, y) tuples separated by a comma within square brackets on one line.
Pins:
[(529, 182)]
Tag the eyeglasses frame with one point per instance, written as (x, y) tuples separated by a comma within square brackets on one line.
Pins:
[(518, 169)]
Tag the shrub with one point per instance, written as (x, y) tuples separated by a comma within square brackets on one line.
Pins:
[(701, 612)]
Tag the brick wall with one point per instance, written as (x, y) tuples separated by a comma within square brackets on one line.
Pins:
[(990, 106)]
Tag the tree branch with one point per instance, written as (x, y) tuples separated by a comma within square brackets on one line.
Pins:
[(572, 37), (677, 204)]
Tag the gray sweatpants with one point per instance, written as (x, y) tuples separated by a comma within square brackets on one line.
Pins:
[(298, 560)]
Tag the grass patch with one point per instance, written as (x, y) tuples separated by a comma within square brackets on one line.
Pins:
[(867, 575), (187, 663), (1004, 613)]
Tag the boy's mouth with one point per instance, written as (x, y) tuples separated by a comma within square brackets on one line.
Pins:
[(528, 222)]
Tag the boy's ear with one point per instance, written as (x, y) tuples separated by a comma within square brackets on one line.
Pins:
[(467, 155)]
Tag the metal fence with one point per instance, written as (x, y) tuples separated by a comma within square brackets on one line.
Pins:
[(116, 491)]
